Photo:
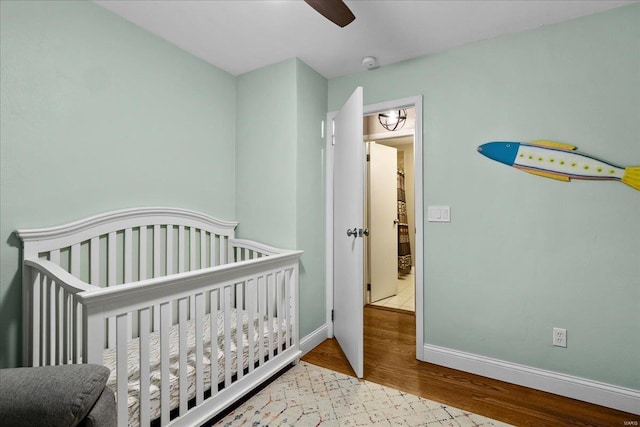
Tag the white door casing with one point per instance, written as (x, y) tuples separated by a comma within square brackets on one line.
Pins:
[(383, 212), (348, 215)]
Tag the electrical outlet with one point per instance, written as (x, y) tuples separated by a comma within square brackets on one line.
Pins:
[(559, 337)]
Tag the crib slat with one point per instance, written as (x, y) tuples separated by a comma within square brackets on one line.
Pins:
[(57, 290), (183, 351), (142, 251), (156, 250), (51, 351), (287, 310), (128, 255), (203, 249), (170, 255), (227, 334), (212, 245), (156, 317), (192, 249), (54, 256), (92, 338), (251, 289), (192, 266), (111, 281), (61, 326), (279, 313), (36, 333), (94, 263), (199, 338), (111, 259), (76, 330), (165, 324), (66, 327), (181, 249), (239, 331), (223, 250), (122, 337), (262, 284), (213, 332), (295, 319), (156, 271), (270, 304), (75, 260), (144, 325), (44, 333)]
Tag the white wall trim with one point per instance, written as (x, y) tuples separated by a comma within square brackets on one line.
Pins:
[(329, 222), (623, 399), (314, 339)]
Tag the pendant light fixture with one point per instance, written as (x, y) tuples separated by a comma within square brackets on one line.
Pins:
[(393, 120)]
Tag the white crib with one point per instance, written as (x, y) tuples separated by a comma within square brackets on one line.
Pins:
[(188, 318)]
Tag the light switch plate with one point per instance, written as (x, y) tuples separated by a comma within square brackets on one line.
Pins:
[(439, 213)]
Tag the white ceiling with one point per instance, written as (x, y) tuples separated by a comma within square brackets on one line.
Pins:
[(240, 36)]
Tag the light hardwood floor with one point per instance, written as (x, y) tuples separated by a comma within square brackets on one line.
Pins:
[(389, 348)]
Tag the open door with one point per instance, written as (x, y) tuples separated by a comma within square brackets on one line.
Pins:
[(348, 218), (383, 218)]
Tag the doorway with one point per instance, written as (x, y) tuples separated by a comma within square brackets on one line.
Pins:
[(335, 227), (390, 206)]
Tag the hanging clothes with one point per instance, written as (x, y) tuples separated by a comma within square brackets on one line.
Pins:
[(404, 247)]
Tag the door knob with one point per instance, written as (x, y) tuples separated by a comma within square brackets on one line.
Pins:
[(353, 232), (364, 232)]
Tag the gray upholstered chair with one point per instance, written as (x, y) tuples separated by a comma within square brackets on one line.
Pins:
[(66, 395)]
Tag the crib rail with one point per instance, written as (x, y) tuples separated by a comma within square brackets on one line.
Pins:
[(75, 332), (265, 289), (55, 307), (165, 297), (132, 244), (125, 246), (242, 250)]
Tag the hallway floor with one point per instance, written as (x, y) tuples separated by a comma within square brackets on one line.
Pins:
[(405, 299)]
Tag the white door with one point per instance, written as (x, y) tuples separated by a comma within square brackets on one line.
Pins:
[(348, 217), (383, 216)]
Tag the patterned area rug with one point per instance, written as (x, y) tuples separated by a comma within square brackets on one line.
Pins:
[(307, 395)]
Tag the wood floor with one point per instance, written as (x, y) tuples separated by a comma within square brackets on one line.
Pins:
[(389, 359)]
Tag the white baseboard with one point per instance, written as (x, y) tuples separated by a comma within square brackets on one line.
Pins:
[(623, 399), (309, 342)]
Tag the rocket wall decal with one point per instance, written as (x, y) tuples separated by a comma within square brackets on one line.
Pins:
[(560, 161)]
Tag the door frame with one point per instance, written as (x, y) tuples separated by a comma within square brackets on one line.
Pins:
[(418, 149)]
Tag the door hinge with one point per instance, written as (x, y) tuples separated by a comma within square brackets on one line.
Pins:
[(332, 315), (368, 157), (369, 286)]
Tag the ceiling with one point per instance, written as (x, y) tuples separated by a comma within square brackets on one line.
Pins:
[(239, 36)]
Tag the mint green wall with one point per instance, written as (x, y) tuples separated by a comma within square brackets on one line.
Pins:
[(524, 254), (279, 171), (97, 115), (266, 155)]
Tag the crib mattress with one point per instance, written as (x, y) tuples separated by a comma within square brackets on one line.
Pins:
[(277, 330)]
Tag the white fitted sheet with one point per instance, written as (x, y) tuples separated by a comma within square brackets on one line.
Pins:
[(278, 340)]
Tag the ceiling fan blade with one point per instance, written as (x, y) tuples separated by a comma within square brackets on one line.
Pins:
[(334, 10)]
